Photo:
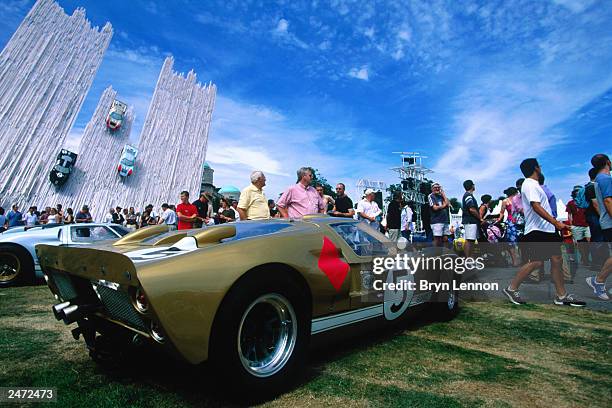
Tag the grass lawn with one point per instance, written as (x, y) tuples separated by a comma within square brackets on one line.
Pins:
[(492, 355)]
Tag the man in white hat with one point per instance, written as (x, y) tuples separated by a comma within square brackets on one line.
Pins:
[(368, 210)]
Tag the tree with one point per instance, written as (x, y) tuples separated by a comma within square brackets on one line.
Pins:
[(455, 205), (318, 179), (392, 189), (494, 203)]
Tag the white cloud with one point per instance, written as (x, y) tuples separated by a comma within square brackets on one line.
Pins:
[(360, 73), (369, 32), (398, 54), (340, 6), (246, 137), (283, 26), (246, 157), (151, 7), (282, 33), (404, 35), (325, 45), (505, 117), (576, 6), (230, 25)]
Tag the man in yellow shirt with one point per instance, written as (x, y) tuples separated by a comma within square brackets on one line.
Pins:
[(253, 204)]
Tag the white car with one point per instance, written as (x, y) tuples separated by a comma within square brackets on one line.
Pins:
[(127, 160), (114, 119), (18, 260)]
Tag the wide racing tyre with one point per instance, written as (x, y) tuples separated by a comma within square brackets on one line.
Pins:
[(16, 265), (445, 305), (260, 335)]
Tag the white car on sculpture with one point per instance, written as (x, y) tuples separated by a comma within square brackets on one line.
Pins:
[(115, 116), (127, 160)]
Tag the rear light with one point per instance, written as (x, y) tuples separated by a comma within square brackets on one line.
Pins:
[(140, 301), (129, 172), (119, 168)]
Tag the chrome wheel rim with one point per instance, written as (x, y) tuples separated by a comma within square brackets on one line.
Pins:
[(9, 266), (267, 335)]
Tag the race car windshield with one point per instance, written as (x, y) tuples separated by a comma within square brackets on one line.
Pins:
[(360, 241), (61, 169), (116, 116), (127, 162)]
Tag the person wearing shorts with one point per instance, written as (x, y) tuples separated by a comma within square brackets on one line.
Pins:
[(440, 220), (603, 192), (541, 241), (471, 218)]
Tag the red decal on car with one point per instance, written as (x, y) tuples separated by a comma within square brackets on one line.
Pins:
[(331, 265)]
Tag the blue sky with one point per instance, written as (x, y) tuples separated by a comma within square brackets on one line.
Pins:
[(340, 85)]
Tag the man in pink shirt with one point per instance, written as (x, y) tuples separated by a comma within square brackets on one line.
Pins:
[(301, 199)]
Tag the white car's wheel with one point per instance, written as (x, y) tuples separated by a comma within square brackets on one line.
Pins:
[(16, 265)]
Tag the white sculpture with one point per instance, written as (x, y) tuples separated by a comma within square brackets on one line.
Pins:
[(46, 69)]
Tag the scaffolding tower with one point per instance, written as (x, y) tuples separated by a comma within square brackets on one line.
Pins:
[(412, 180)]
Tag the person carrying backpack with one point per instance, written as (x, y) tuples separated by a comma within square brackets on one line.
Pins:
[(576, 212)]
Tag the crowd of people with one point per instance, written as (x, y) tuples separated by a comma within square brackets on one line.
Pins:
[(526, 226), (528, 217)]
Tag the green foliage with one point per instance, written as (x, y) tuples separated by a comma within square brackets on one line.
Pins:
[(317, 178), (455, 205), (494, 202), (392, 189)]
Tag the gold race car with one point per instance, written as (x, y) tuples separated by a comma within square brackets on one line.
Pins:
[(246, 296)]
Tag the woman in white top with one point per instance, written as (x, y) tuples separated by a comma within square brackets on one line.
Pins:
[(53, 217)]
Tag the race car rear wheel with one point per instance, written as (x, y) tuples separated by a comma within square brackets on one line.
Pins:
[(261, 333), (16, 265), (267, 334)]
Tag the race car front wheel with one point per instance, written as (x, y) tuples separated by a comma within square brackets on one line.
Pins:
[(261, 334), (16, 265), (446, 301)]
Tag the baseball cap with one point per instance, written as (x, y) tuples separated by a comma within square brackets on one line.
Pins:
[(369, 191)]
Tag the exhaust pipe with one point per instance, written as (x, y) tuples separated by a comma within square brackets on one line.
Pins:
[(73, 313), (138, 340), (58, 310)]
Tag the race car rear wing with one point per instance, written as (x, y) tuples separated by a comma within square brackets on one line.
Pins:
[(90, 263)]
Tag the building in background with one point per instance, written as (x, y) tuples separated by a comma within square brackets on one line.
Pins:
[(230, 192), (208, 183)]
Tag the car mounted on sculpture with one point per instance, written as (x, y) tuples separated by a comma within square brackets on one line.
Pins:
[(63, 167), (127, 160), (18, 261), (115, 116), (246, 297)]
